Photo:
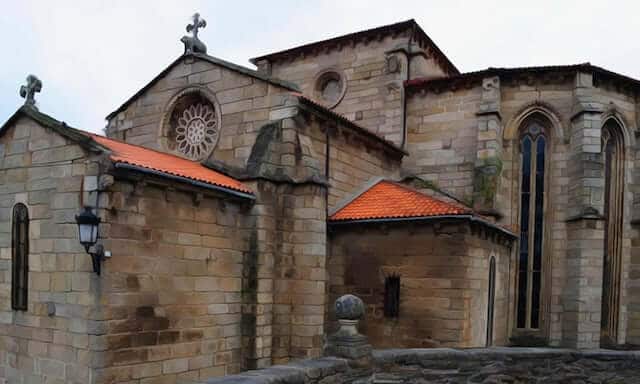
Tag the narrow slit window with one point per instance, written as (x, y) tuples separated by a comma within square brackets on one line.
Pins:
[(392, 296), (19, 257)]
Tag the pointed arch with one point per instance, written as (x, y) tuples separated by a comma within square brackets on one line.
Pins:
[(613, 153), (541, 110), (613, 115)]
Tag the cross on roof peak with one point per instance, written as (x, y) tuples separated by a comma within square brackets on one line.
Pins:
[(192, 44), (29, 90), (198, 23)]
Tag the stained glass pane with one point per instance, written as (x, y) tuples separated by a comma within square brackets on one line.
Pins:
[(524, 231), (539, 204), (535, 300), (522, 299)]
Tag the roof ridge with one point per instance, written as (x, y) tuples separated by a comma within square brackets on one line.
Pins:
[(422, 194), (389, 205), (138, 146)]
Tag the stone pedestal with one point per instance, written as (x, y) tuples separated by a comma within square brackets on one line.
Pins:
[(347, 342)]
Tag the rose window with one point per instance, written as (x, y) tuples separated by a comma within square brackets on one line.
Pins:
[(196, 131)]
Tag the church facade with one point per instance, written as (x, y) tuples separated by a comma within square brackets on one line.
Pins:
[(232, 206)]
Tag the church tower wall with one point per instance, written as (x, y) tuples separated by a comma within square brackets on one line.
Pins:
[(371, 73)]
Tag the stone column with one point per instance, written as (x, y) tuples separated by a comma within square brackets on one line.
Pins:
[(300, 273), (488, 165), (585, 248)]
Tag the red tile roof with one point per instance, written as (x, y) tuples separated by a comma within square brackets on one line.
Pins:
[(387, 200), (169, 164)]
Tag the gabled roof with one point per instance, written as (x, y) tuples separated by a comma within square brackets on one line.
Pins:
[(422, 83), (213, 60), (137, 158), (384, 30), (387, 201), (390, 200), (163, 164)]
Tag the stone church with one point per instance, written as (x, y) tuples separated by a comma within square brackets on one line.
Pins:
[(211, 227)]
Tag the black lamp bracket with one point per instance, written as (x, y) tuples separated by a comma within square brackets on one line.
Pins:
[(96, 257)]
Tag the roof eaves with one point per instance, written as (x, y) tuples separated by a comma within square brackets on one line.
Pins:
[(182, 179), (213, 60), (463, 216)]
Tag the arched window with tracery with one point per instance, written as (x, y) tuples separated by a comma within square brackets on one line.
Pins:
[(19, 257), (613, 156), (533, 149)]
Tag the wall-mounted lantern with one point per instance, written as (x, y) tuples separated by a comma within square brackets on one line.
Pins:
[(88, 224)]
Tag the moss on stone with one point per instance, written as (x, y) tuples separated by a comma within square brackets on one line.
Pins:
[(485, 181)]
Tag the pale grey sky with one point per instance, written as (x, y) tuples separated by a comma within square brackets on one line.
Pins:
[(92, 55)]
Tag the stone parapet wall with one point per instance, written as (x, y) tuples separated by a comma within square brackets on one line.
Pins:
[(443, 365)]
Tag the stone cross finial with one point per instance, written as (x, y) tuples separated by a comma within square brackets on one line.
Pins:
[(29, 90), (192, 44), (197, 24)]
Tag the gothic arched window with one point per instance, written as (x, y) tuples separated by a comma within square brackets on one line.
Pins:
[(19, 257), (533, 147), (613, 156)]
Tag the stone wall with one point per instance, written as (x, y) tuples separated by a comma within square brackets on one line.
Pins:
[(374, 95), (50, 341), (442, 132), (171, 294), (444, 273), (352, 166)]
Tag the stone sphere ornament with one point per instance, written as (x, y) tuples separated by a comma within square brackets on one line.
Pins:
[(349, 307)]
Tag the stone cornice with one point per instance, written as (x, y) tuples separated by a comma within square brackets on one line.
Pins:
[(525, 75), (409, 28)]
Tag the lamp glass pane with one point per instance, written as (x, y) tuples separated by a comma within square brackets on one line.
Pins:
[(86, 233)]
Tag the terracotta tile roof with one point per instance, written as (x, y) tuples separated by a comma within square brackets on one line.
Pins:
[(168, 164), (387, 200)]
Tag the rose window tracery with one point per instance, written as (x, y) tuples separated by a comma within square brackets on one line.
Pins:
[(197, 131), (193, 126)]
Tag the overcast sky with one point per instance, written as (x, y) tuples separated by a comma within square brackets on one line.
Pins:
[(92, 55)]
